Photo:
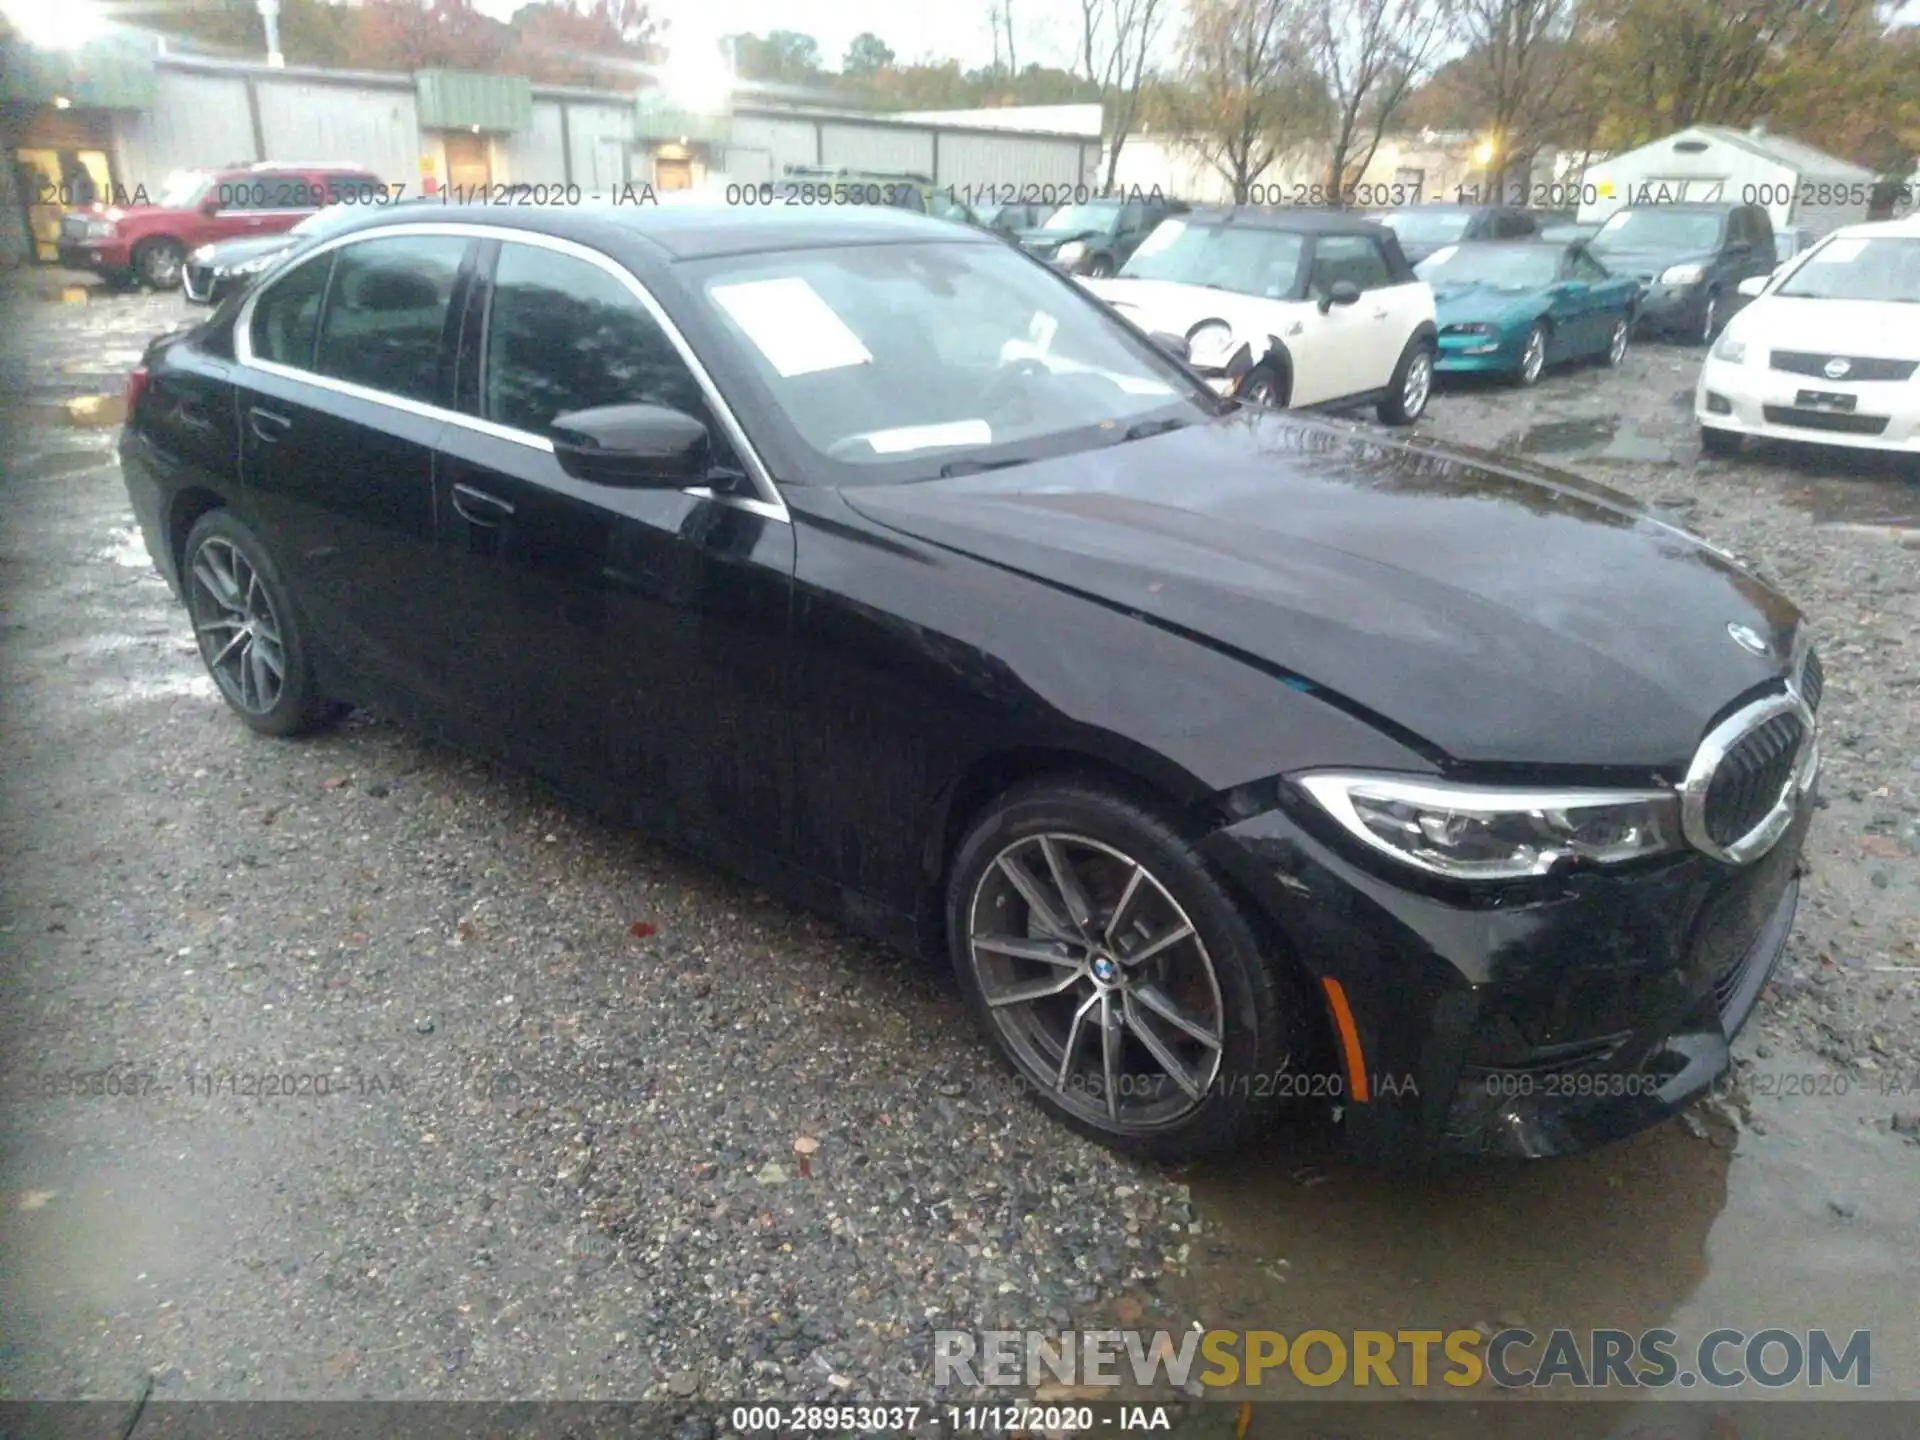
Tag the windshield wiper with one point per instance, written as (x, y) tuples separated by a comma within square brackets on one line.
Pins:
[(1153, 427), (955, 468)]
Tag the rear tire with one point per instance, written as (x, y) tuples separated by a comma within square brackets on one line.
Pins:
[(1618, 342), (248, 630), (1533, 357), (1100, 267), (1721, 444), (1411, 386), (1084, 972)]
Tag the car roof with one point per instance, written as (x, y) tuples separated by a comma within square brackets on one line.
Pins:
[(1906, 227), (699, 228), (1696, 205), (1282, 217)]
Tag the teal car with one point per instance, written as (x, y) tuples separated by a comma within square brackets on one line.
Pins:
[(1513, 308)]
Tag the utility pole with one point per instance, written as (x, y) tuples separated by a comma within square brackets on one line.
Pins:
[(270, 13)]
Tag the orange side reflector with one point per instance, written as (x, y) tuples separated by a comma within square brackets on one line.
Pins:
[(1349, 1041)]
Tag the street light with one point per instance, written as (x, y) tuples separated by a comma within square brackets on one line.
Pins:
[(1483, 154), (270, 16), (54, 24)]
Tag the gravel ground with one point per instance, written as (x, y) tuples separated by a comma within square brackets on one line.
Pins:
[(567, 1069)]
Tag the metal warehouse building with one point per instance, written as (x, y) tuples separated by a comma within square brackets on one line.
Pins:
[(127, 114), (1799, 185)]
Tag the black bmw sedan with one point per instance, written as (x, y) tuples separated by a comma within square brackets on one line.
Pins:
[(1233, 759)]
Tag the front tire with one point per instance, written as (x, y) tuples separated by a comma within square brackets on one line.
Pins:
[(159, 264), (1533, 357), (1100, 267), (248, 630), (1411, 386), (1710, 320), (1263, 387), (1117, 978), (1617, 343)]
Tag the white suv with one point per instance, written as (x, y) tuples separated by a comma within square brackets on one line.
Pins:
[(1287, 307), (1828, 351)]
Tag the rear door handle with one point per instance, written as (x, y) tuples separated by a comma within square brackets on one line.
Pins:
[(480, 508), (267, 425)]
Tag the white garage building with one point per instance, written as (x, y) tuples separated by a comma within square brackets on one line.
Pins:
[(1799, 185)]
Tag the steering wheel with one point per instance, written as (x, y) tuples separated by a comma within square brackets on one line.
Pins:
[(1005, 382)]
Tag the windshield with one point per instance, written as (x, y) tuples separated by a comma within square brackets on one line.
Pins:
[(1498, 267), (889, 363), (1660, 230), (1098, 215), (1851, 268), (183, 189), (1428, 227), (1252, 262)]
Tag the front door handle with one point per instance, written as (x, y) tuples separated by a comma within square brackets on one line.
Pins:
[(1380, 314), (477, 507), (270, 427)]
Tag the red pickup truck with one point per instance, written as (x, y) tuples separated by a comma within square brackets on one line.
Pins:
[(148, 244)]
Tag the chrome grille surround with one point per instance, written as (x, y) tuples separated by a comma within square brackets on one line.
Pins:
[(1719, 743)]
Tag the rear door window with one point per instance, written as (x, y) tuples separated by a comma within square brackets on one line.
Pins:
[(286, 317), (386, 324)]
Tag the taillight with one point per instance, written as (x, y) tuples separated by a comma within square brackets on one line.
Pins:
[(136, 386)]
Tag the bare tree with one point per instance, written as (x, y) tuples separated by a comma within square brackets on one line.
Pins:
[(1370, 55), (1116, 38), (1520, 59), (1247, 93)]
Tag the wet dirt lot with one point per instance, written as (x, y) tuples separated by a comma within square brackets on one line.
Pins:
[(565, 1069)]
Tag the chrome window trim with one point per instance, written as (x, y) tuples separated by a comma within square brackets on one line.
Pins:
[(1706, 760), (767, 503)]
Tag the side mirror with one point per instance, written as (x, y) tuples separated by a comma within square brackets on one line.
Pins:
[(1342, 292), (635, 447), (1174, 345), (1753, 285)]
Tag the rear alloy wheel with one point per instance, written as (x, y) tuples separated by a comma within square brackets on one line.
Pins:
[(249, 636), (1411, 386), (159, 263), (1617, 343), (1099, 268), (1117, 979), (1533, 357)]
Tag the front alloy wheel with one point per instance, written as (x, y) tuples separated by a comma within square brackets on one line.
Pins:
[(1261, 387), (1117, 980), (1533, 358), (160, 263), (1410, 388), (1617, 343)]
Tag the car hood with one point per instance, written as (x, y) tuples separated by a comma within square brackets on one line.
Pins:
[(1504, 614), (1882, 329), (1173, 306), (1648, 262), (232, 252), (1050, 240), (1455, 303)]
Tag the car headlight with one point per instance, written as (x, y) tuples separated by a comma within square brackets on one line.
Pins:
[(101, 229), (1731, 350), (1071, 252), (203, 254), (1476, 832), (1472, 329), (1682, 274), (253, 266)]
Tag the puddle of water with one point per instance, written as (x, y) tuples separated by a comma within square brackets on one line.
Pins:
[(1860, 500), (1565, 437), (1811, 1220), (80, 411), (60, 462), (1602, 438), (127, 548)]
